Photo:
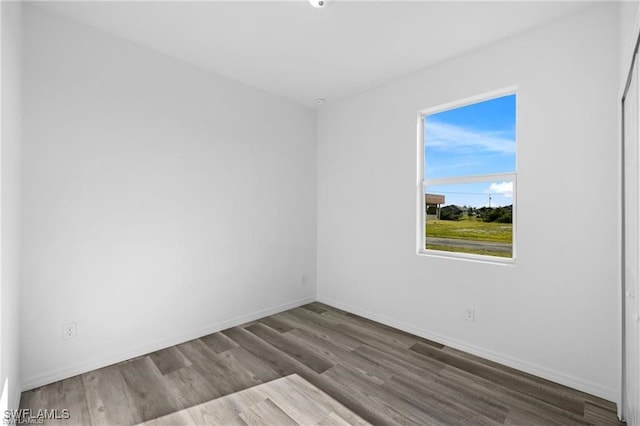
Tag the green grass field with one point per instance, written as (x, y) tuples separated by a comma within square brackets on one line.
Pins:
[(470, 229)]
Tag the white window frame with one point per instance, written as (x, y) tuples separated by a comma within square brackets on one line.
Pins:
[(422, 183)]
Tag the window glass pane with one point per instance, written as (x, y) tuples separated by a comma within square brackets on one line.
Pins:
[(471, 140), (470, 218)]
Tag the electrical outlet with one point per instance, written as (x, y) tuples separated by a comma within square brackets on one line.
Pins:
[(470, 314), (69, 331)]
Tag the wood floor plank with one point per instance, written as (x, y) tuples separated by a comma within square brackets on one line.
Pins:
[(256, 367), (203, 362), (306, 403), (344, 316), (261, 349), (385, 404), (146, 390), (486, 405), (244, 377), (169, 359), (337, 355), (179, 418), (313, 307), (328, 308), (333, 420), (443, 406), (607, 405), (317, 395), (71, 395), (397, 360), (68, 394), (291, 348), (604, 404), (196, 352), (296, 403), (221, 411), (553, 387), (266, 413), (324, 332), (541, 411), (519, 417), (373, 338), (35, 399), (440, 394), (387, 333), (562, 400), (314, 317), (219, 369), (218, 342), (278, 323), (595, 414), (106, 397), (191, 387), (474, 390)]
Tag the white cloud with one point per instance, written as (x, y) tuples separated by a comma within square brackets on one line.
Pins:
[(504, 188), (449, 137)]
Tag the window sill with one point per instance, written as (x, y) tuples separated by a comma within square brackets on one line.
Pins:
[(476, 258)]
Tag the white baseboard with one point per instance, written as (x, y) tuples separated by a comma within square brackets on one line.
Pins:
[(114, 358), (527, 367)]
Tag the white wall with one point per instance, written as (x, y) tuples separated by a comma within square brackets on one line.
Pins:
[(555, 313), (10, 155), (628, 35), (161, 202)]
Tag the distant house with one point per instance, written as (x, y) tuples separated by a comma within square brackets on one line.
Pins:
[(432, 205)]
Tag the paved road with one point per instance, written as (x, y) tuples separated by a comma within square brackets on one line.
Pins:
[(483, 245)]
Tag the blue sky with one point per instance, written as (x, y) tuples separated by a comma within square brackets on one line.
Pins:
[(477, 139)]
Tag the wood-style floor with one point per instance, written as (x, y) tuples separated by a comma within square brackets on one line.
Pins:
[(383, 375), (287, 401)]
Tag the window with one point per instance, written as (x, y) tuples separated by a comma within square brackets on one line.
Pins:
[(467, 178)]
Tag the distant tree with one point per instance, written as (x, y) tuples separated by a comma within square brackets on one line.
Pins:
[(451, 212), (496, 214), (482, 213)]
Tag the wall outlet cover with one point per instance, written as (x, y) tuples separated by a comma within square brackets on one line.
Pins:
[(69, 331)]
